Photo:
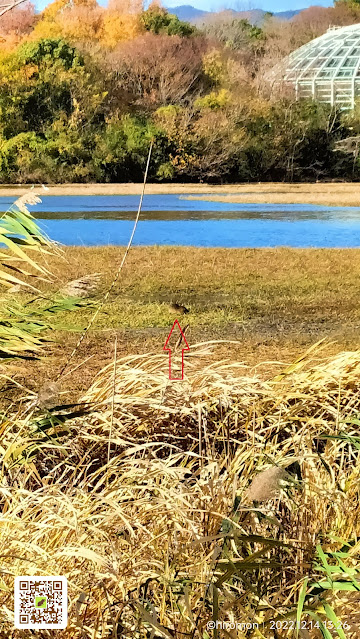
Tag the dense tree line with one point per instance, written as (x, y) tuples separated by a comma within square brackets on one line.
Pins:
[(84, 89)]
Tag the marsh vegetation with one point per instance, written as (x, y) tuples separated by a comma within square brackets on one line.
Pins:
[(232, 495)]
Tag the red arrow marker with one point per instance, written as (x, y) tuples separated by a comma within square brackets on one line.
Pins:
[(168, 348)]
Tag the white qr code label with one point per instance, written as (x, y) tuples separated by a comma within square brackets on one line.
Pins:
[(40, 602)]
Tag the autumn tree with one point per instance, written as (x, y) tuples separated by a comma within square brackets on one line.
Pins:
[(154, 70), (284, 36), (121, 21), (19, 21), (78, 20), (82, 22), (236, 34), (205, 142), (48, 25)]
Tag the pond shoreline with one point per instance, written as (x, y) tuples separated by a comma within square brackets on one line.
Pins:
[(327, 194)]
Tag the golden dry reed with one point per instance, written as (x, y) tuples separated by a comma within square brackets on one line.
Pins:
[(224, 497)]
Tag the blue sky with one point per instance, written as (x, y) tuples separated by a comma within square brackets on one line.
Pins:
[(239, 5), (266, 5)]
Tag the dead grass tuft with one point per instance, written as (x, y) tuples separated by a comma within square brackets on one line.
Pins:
[(83, 287)]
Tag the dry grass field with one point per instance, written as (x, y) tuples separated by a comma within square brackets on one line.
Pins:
[(272, 303)]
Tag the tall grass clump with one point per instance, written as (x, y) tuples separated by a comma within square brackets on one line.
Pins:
[(171, 504), (23, 241), (23, 252)]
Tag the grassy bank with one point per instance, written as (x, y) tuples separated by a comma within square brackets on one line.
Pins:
[(273, 303), (325, 194)]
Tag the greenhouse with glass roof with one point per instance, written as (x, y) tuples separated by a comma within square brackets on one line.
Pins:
[(327, 69)]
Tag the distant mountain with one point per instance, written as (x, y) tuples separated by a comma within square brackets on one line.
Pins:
[(189, 13), (287, 15)]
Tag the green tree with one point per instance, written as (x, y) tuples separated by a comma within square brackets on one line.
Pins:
[(158, 20), (49, 53), (44, 81), (122, 149), (291, 140)]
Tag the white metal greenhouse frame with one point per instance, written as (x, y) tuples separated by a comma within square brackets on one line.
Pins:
[(327, 69)]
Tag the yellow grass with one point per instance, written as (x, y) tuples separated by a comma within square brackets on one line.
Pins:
[(148, 535)]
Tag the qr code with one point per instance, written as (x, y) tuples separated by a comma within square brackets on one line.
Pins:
[(40, 602)]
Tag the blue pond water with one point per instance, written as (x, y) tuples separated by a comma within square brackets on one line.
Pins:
[(174, 220)]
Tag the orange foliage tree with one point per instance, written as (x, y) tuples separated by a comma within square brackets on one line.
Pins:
[(80, 20), (121, 21)]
